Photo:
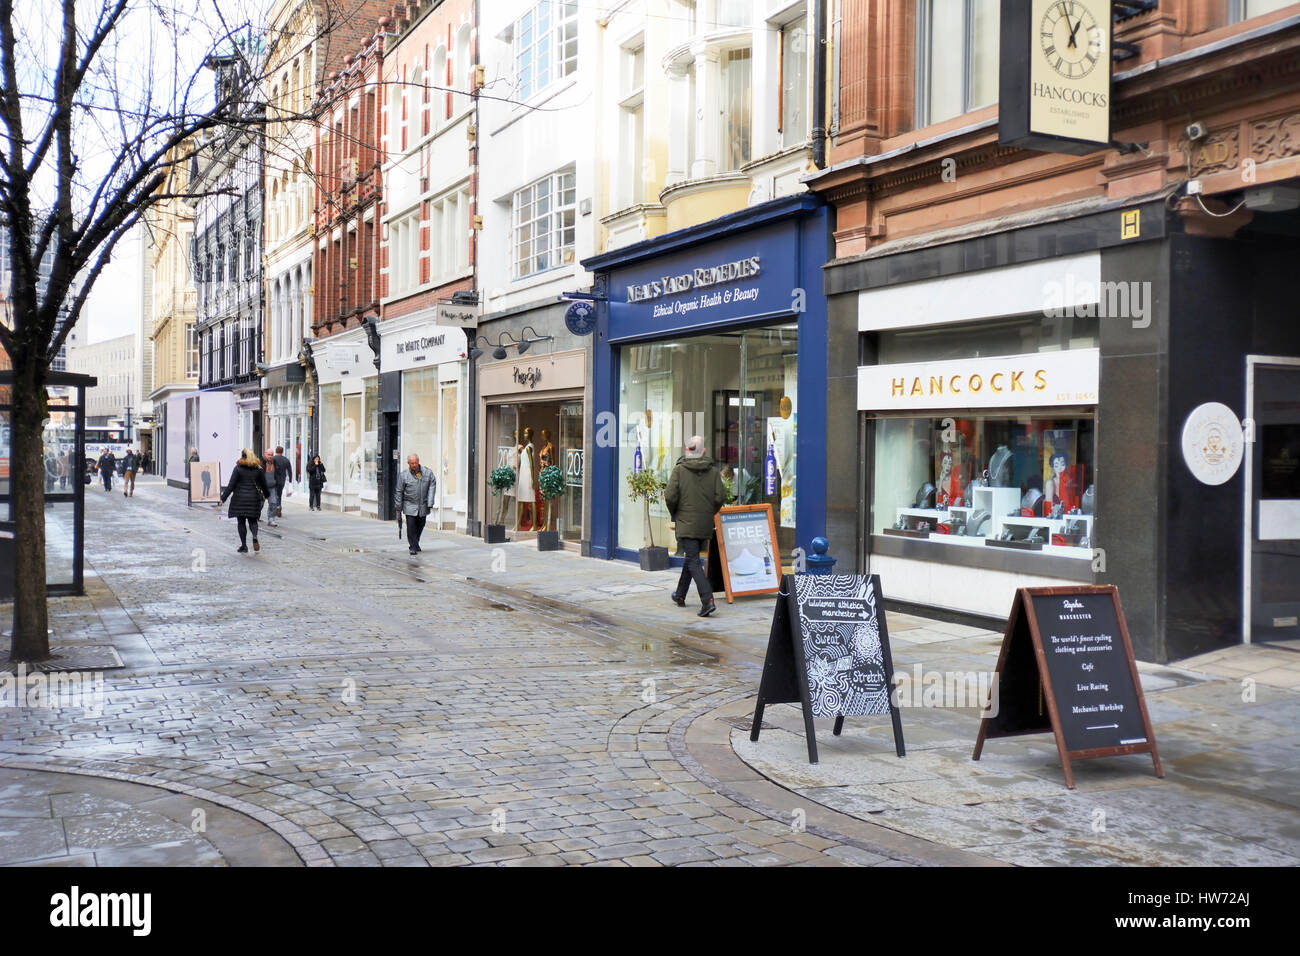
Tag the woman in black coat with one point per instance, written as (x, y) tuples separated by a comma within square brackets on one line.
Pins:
[(246, 490), (315, 482)]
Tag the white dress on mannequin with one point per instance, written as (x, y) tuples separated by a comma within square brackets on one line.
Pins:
[(524, 483)]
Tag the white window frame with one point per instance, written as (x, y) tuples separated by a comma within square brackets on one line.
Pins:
[(404, 254), (523, 212), (546, 48)]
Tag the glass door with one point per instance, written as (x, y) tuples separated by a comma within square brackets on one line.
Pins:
[(569, 522), (1275, 541)]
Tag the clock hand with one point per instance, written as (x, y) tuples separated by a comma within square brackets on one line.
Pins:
[(1065, 12), (1077, 23)]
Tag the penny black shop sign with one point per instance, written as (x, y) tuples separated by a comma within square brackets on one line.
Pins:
[(1054, 90), (828, 651), (1067, 668)]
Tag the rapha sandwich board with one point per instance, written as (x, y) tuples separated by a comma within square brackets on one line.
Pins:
[(828, 651), (1067, 668)]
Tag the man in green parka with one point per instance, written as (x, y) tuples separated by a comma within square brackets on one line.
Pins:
[(695, 493)]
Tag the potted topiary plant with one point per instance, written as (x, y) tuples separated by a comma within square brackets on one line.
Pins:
[(646, 486), (501, 480), (550, 482)]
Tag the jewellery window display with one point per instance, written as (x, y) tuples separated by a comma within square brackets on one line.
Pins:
[(1025, 483)]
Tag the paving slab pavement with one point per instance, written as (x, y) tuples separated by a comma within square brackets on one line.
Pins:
[(374, 708)]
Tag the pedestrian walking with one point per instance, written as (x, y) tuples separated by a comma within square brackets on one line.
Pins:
[(413, 499), (694, 495), (129, 464), (315, 482), (107, 465), (247, 489), (51, 472), (273, 501), (283, 479)]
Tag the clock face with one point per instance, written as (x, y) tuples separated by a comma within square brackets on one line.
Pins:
[(1071, 39)]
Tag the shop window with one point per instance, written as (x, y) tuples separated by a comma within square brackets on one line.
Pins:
[(544, 224), (370, 438), (1024, 482), (546, 46), (957, 58), (419, 415), (331, 433), (739, 391)]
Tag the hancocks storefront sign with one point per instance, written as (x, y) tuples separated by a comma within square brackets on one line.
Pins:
[(1031, 380)]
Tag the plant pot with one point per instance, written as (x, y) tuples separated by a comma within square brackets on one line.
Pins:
[(494, 534), (653, 559), (548, 541)]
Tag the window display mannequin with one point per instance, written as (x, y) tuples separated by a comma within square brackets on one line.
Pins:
[(511, 459), (545, 457), (525, 487)]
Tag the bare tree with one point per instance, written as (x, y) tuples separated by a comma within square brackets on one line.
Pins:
[(94, 97)]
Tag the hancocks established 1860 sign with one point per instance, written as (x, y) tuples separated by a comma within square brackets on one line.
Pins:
[(1055, 75)]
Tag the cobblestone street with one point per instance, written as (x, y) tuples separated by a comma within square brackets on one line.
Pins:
[(374, 709), (332, 700)]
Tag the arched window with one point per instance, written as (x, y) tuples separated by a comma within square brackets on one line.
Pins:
[(464, 79), (440, 80)]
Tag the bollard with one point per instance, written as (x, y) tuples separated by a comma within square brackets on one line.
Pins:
[(819, 562)]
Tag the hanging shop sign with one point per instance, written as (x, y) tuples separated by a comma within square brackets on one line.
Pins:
[(1007, 381), (828, 651), (580, 318), (454, 316), (1054, 90), (1067, 668), (1212, 443)]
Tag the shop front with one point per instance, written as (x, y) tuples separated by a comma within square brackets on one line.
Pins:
[(348, 407), (288, 420), (1020, 417), (423, 409), (710, 331), (533, 416)]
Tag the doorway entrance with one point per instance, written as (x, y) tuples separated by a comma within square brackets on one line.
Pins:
[(555, 432), (1272, 578)]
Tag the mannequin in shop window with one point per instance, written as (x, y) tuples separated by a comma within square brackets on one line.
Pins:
[(545, 457), (525, 487)]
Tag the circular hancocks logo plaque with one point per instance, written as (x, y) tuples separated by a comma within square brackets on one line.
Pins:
[(1212, 443)]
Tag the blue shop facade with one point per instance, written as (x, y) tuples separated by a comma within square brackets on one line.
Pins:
[(716, 330)]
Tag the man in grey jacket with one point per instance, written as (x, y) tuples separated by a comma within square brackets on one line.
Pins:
[(413, 497)]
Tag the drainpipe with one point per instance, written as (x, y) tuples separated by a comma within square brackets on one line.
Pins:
[(819, 86)]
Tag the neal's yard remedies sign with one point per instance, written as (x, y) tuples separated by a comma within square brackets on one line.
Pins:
[(1055, 75), (828, 651), (1067, 667)]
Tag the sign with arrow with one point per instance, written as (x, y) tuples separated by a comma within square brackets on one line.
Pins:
[(1067, 668)]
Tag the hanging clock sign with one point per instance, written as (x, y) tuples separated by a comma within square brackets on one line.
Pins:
[(1054, 89), (580, 317)]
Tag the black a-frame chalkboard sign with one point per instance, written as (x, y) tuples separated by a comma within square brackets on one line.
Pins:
[(1067, 668), (828, 651)]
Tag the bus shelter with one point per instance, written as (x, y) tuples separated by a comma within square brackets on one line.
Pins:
[(65, 489)]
